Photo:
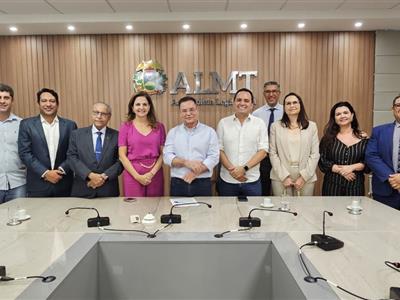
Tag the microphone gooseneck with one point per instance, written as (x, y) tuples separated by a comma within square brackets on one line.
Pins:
[(92, 222), (175, 218), (78, 207), (323, 220), (250, 221)]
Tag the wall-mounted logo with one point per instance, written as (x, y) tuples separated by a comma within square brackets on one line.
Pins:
[(150, 77)]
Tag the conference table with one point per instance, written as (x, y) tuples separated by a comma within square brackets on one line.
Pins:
[(370, 238)]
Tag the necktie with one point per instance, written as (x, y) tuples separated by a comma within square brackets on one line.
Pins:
[(271, 119), (99, 147)]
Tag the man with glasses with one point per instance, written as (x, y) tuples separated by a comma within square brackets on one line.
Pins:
[(42, 147), (383, 157), (270, 112), (191, 150), (93, 157)]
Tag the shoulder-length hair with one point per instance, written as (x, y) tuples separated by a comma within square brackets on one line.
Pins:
[(302, 118), (151, 116), (332, 129)]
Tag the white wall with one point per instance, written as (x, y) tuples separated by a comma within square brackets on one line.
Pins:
[(387, 74)]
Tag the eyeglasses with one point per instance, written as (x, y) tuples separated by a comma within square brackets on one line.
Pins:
[(292, 103), (190, 110), (396, 105), (100, 114), (271, 92)]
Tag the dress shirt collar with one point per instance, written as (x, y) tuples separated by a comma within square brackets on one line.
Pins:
[(43, 120), (277, 106), (396, 124), (95, 130), (249, 117), (10, 118), (191, 129)]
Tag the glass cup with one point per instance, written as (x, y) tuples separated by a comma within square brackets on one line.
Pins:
[(12, 216)]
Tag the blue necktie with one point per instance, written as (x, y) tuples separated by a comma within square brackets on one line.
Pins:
[(271, 119), (99, 147)]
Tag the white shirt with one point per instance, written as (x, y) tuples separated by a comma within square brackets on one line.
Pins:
[(241, 142), (52, 134), (94, 136)]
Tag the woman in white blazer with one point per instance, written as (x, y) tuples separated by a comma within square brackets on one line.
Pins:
[(294, 150)]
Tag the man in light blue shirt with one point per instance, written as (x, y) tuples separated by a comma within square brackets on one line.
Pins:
[(270, 112), (191, 150), (12, 171)]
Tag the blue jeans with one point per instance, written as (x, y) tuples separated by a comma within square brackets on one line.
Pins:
[(7, 195), (198, 187), (239, 189)]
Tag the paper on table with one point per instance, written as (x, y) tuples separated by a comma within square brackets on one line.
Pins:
[(186, 201)]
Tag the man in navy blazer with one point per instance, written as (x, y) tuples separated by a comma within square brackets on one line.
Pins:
[(383, 157), (93, 157), (42, 147)]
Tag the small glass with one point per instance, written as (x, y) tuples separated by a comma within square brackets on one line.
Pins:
[(285, 204), (12, 216), (355, 206)]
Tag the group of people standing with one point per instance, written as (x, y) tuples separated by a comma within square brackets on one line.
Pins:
[(274, 150)]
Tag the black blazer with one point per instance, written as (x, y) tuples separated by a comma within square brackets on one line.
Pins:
[(34, 152), (82, 159)]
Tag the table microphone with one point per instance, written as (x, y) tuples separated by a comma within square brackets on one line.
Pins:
[(326, 242), (93, 222), (256, 222), (174, 218)]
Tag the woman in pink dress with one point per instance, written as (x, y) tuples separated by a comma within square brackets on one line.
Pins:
[(141, 140)]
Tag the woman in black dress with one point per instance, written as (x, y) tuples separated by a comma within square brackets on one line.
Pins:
[(342, 151)]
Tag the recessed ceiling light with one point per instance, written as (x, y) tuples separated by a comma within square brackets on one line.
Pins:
[(358, 24), (301, 25), (71, 28), (129, 27), (186, 26), (243, 25), (13, 28)]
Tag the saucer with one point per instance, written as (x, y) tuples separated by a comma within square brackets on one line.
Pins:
[(148, 219), (24, 218), (267, 205), (349, 207)]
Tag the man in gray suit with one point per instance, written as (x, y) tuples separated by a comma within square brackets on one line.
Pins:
[(42, 147), (93, 156)]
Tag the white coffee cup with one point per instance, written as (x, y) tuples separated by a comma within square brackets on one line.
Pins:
[(355, 204), (21, 214), (267, 201)]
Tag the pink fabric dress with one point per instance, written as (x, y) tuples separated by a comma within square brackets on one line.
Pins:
[(143, 152)]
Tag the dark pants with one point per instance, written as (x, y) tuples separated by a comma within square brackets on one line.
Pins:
[(239, 189), (198, 187), (392, 201), (265, 171)]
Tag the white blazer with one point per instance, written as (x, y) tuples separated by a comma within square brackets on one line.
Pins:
[(280, 157)]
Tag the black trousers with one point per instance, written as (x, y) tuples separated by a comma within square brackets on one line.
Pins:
[(265, 170)]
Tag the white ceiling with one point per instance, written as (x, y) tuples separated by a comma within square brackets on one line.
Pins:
[(150, 16)]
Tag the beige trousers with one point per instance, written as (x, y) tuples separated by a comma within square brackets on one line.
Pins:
[(278, 188)]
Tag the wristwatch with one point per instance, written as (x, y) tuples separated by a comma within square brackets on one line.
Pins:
[(246, 168)]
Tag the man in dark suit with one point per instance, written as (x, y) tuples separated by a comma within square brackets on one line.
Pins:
[(42, 147), (93, 157), (383, 157)]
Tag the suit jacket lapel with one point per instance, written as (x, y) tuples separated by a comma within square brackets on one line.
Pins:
[(39, 130), (106, 143), (389, 139), (89, 143)]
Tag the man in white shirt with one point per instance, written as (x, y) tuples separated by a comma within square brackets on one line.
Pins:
[(12, 171), (191, 150), (243, 141), (42, 146), (270, 112)]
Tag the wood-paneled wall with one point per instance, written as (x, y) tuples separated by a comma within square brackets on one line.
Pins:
[(323, 67)]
